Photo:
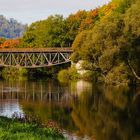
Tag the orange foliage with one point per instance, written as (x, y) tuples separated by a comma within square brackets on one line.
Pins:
[(91, 18), (83, 20), (94, 13), (78, 17), (109, 8), (10, 43)]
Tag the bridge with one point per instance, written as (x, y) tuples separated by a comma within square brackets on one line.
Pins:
[(34, 57)]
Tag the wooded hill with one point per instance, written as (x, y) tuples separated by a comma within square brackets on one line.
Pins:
[(10, 28)]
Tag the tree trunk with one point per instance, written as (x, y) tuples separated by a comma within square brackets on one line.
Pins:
[(133, 71)]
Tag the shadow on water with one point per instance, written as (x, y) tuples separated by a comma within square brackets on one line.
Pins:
[(81, 108)]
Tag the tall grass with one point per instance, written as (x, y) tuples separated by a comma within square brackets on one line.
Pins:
[(11, 129)]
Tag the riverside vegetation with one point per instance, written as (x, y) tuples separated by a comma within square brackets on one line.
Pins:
[(11, 129), (106, 39), (110, 49)]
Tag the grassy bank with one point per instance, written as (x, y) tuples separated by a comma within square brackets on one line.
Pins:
[(14, 130)]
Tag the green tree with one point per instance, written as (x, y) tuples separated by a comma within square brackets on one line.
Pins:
[(47, 33), (112, 46), (73, 23)]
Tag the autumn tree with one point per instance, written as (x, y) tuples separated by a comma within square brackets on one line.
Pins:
[(90, 20), (10, 43), (73, 23), (112, 46)]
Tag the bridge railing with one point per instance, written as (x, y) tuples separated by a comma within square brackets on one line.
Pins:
[(33, 50)]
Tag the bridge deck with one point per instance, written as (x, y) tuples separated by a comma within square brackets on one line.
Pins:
[(35, 50)]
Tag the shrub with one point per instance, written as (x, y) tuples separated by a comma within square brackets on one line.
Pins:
[(118, 75), (63, 75), (73, 74), (68, 74), (90, 76), (13, 73)]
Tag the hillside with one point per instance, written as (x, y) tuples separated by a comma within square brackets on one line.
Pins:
[(10, 28)]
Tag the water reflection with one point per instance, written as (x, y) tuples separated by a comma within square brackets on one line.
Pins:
[(82, 108), (9, 107)]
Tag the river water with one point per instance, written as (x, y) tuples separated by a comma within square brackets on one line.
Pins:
[(83, 110)]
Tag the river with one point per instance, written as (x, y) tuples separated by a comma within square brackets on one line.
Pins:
[(83, 110)]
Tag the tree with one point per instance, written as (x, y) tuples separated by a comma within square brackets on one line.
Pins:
[(73, 23), (10, 43), (11, 28), (2, 40), (113, 45), (90, 20), (47, 33), (132, 35)]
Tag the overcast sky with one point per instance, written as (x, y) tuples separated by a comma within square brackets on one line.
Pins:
[(27, 11)]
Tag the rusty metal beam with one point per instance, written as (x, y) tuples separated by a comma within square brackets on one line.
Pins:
[(34, 58), (35, 50)]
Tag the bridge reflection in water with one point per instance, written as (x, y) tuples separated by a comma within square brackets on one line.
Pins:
[(49, 100), (34, 57), (113, 112), (30, 91), (47, 91)]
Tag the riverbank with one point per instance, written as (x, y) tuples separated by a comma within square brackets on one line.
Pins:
[(12, 129)]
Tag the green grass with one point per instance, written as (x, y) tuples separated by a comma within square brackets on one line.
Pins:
[(15, 130)]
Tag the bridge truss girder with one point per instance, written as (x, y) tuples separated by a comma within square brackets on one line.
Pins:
[(33, 60)]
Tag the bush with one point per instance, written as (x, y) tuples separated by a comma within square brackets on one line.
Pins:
[(118, 76), (90, 76), (13, 73), (68, 74), (73, 74), (63, 75)]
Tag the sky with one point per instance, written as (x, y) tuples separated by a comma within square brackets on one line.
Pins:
[(28, 11)]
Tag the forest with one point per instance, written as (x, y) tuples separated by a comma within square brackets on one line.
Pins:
[(106, 39), (11, 28)]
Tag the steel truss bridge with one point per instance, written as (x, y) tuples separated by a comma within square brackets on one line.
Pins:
[(34, 57)]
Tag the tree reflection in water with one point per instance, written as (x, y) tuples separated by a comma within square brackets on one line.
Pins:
[(110, 113), (101, 113)]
